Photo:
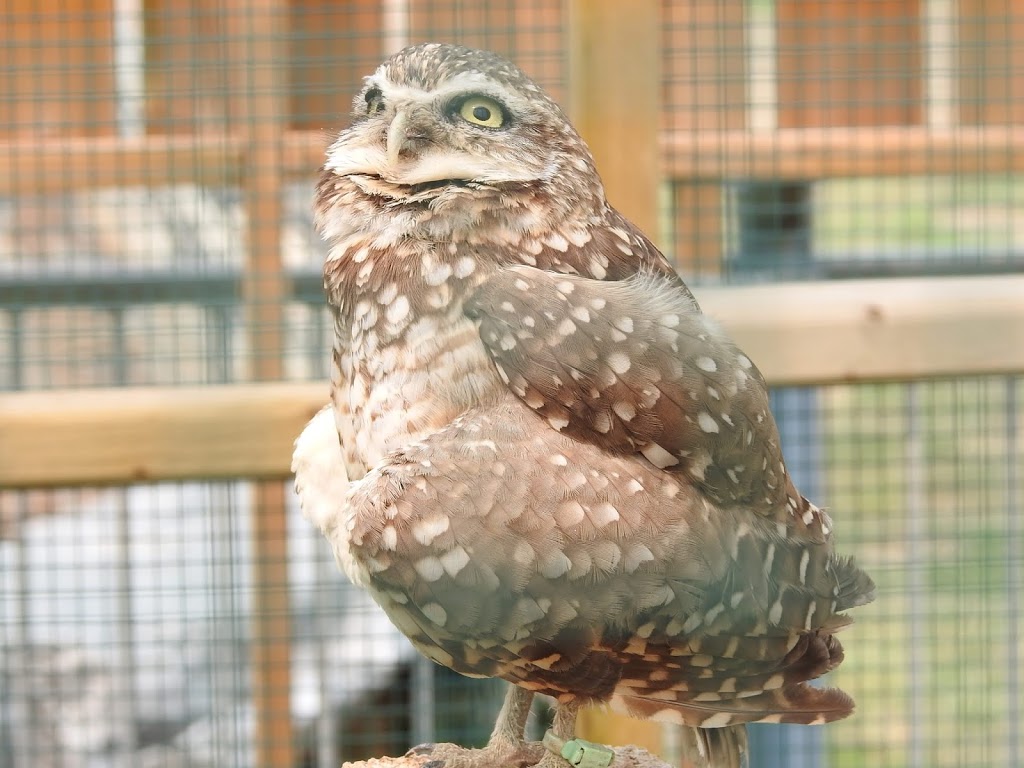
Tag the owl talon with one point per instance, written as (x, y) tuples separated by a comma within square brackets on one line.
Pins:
[(579, 752)]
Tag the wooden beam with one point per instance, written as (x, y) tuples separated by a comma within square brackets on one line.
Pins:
[(874, 330), (797, 333), (47, 165), (63, 438), (37, 166), (822, 153)]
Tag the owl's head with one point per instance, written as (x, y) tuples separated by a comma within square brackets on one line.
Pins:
[(447, 129)]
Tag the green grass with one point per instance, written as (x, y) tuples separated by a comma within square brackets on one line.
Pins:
[(918, 214)]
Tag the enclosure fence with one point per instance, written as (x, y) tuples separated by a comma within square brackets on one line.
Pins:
[(840, 182)]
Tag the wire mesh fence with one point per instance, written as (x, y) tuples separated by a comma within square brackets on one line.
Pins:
[(156, 170)]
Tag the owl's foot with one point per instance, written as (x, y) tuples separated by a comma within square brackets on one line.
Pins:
[(507, 747), (505, 755)]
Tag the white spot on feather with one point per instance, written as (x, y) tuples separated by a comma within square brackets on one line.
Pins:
[(624, 410), (603, 513), (428, 529), (569, 513), (706, 364), (435, 275), (707, 422), (635, 556), (429, 568), (556, 241), (436, 613), (465, 267), (556, 565), (454, 560), (619, 362), (658, 456), (398, 310)]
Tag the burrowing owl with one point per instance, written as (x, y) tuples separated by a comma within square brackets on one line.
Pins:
[(542, 460)]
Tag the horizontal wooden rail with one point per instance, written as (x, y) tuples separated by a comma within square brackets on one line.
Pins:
[(150, 434), (798, 333), (822, 153), (37, 166), (48, 165)]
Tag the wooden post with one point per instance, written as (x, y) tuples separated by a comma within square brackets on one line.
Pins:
[(257, 32), (614, 101)]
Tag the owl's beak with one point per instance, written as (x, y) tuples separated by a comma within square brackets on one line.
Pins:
[(397, 136)]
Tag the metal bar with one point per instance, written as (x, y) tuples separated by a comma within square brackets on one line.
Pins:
[(917, 587), (1014, 575), (223, 288)]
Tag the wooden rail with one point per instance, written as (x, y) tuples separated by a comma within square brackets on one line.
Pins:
[(37, 166), (798, 333)]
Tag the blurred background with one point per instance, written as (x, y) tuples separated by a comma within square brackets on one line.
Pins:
[(840, 182)]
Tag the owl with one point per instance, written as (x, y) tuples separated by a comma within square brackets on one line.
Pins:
[(540, 458)]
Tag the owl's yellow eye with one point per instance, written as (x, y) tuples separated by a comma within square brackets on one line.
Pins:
[(480, 110)]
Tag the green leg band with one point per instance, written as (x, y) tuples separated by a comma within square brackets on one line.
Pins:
[(580, 752)]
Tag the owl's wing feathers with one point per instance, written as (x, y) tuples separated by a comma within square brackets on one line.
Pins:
[(632, 365), (506, 550)]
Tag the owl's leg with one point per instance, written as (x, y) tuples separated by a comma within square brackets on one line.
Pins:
[(509, 729)]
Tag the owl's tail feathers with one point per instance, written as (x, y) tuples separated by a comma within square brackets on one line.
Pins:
[(714, 747)]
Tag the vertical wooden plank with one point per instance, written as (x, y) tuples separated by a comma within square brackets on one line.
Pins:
[(256, 35), (705, 91), (990, 77), (57, 69), (849, 63), (614, 101)]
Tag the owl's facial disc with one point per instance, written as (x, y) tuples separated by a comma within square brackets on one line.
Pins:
[(410, 143)]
